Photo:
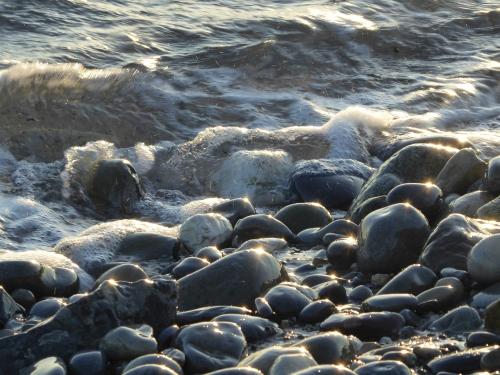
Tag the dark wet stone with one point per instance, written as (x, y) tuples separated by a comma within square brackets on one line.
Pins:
[(85, 363), (460, 172), (147, 246), (154, 359), (8, 307), (150, 370), (114, 187), (167, 336), (391, 238), (493, 175), (367, 207), (491, 360), (269, 245), (236, 279), (189, 265), (210, 253), (24, 297), (365, 326), (264, 359), (482, 338), (286, 301), (46, 308), (316, 279), (360, 293), (427, 198), (333, 291), (300, 216), (260, 226), (326, 370), (342, 253), (483, 261), (253, 327), (450, 242), (464, 362), (492, 317), (115, 304), (384, 367), (211, 346), (176, 354), (47, 366), (486, 296), (203, 230), (413, 163), (207, 313), (123, 272), (291, 363), (327, 348), (411, 318), (124, 343), (468, 204), (426, 353), (462, 275), (317, 311), (236, 371), (59, 281), (333, 183), (440, 298), (413, 279), (459, 320), (16, 274), (490, 211), (263, 309), (390, 302), (235, 209), (314, 236)]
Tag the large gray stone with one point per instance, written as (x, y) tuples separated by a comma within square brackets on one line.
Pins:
[(236, 279), (450, 242), (82, 324), (413, 163), (391, 238), (483, 261)]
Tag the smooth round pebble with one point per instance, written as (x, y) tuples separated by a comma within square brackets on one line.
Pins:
[(300, 216), (188, 265), (154, 359), (125, 343), (123, 272), (85, 363), (483, 261), (384, 368), (317, 311)]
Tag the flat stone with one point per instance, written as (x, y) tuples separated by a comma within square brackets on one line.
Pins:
[(463, 362), (326, 370), (236, 279), (384, 368), (147, 246), (390, 302), (154, 359), (314, 236), (211, 346), (203, 314)]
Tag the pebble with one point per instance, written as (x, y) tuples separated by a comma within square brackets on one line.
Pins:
[(264, 359), (291, 363), (459, 320), (492, 317), (260, 226), (254, 328), (24, 297), (150, 370), (468, 204), (493, 175), (341, 253), (167, 336), (154, 359), (8, 307), (326, 370), (330, 347), (188, 266), (391, 238), (85, 363), (317, 311), (125, 343), (314, 236), (269, 245), (365, 326), (236, 371), (206, 313), (333, 291), (462, 362), (146, 246), (316, 279), (211, 346), (390, 302), (367, 207), (491, 360), (413, 279), (460, 172), (237, 279), (203, 230), (123, 272), (46, 308), (286, 301), (427, 198), (263, 308), (490, 211), (235, 209), (300, 216), (482, 338), (483, 261), (177, 355), (209, 253), (360, 293), (384, 367)]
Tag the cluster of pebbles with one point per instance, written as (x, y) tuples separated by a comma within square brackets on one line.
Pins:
[(406, 282)]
